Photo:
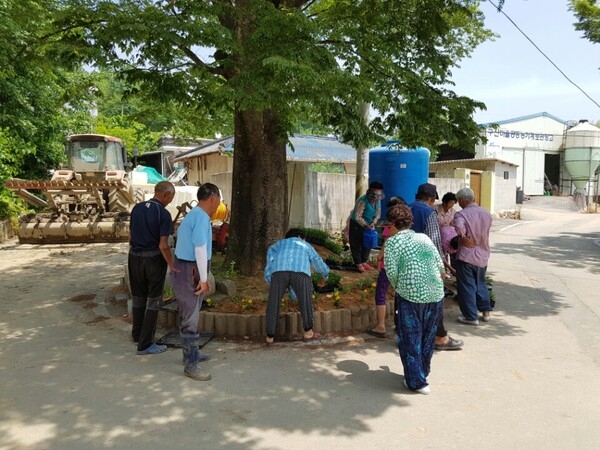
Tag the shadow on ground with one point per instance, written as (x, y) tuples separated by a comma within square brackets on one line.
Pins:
[(573, 250)]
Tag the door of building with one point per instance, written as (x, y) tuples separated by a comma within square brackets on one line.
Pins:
[(476, 186)]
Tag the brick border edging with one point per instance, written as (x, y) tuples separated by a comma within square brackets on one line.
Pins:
[(355, 319)]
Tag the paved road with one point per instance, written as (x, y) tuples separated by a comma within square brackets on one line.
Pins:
[(528, 379)]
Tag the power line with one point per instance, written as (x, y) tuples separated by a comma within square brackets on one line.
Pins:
[(501, 11)]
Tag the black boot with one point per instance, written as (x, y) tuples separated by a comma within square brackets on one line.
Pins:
[(146, 336), (138, 321)]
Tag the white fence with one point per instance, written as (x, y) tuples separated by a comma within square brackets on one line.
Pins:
[(324, 200), (328, 199)]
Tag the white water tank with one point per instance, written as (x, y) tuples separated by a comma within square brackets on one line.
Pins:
[(582, 153)]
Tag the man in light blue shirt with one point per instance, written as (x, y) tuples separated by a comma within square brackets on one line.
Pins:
[(289, 263), (190, 280)]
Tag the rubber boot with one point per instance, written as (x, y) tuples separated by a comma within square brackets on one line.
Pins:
[(190, 357), (146, 336), (138, 314)]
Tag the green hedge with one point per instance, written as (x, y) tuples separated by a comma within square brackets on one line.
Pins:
[(321, 238)]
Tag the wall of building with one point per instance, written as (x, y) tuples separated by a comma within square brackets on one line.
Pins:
[(504, 188), (525, 142), (350, 168), (200, 169), (530, 171), (498, 181), (486, 193), (447, 184), (315, 200), (224, 181)]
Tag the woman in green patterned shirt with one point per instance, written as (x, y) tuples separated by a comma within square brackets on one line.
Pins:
[(415, 270)]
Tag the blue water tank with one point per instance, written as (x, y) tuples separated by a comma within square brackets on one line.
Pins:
[(400, 170)]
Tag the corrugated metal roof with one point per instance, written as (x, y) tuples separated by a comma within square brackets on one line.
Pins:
[(305, 148), (518, 119), (472, 160), (317, 148), (212, 147)]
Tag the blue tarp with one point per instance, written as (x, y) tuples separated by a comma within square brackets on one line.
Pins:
[(153, 175)]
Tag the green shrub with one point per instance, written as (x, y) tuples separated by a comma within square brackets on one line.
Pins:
[(326, 167), (10, 206), (365, 283), (333, 280), (333, 261), (320, 237)]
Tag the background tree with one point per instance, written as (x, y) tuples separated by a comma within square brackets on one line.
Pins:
[(139, 119), (272, 63), (588, 18), (34, 89)]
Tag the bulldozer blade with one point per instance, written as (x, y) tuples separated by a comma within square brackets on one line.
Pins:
[(44, 230)]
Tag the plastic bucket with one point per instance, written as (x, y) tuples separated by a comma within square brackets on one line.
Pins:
[(370, 238)]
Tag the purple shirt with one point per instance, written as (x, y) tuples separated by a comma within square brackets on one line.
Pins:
[(474, 222)]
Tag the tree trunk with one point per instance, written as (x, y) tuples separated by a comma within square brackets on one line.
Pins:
[(259, 195), (362, 155)]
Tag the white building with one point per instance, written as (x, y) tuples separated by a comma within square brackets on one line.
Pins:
[(534, 144)]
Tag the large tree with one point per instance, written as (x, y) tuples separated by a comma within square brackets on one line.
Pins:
[(272, 63)]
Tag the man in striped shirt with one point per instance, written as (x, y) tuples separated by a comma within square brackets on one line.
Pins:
[(288, 266)]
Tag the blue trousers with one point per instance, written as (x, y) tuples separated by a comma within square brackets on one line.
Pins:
[(416, 326), (471, 289)]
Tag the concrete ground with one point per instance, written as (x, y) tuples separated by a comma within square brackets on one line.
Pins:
[(529, 379)]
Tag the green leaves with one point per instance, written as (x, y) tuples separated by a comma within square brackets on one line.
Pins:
[(310, 61), (588, 18), (34, 89)]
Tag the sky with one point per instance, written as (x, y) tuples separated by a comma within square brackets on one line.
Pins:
[(514, 79)]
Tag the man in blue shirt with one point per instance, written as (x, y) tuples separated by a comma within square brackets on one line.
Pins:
[(193, 252), (149, 255), (288, 266), (425, 221)]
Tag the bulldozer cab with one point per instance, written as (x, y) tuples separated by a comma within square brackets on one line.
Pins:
[(88, 153)]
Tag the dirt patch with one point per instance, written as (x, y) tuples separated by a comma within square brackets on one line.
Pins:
[(356, 289)]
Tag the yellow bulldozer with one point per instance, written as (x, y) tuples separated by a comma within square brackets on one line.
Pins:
[(89, 199)]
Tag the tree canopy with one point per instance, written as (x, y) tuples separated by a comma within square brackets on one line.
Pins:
[(33, 91), (272, 64), (588, 18), (311, 59)]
